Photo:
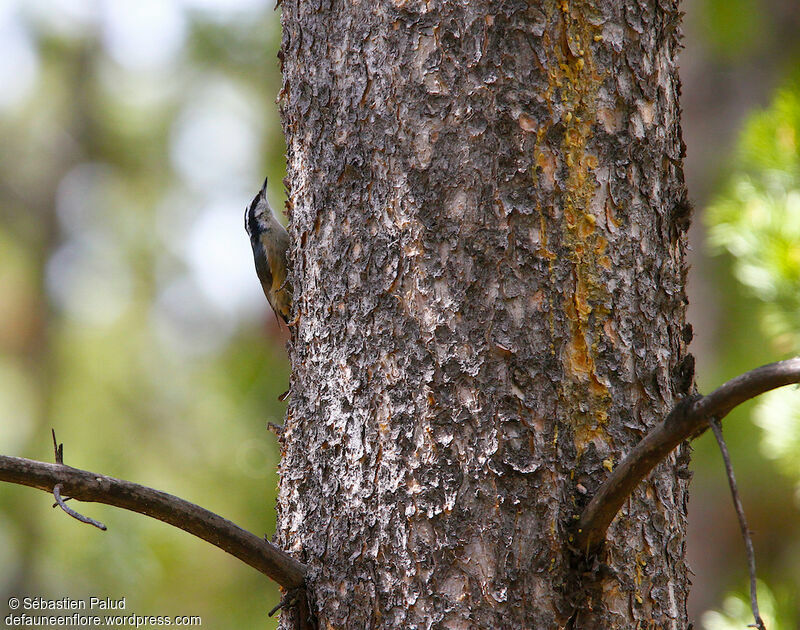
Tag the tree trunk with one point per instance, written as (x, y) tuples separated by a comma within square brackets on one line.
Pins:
[(489, 288)]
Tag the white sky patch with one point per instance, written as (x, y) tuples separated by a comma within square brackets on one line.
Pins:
[(142, 94), (225, 8), (64, 18), (216, 140), (220, 259), (72, 18), (19, 62), (143, 34)]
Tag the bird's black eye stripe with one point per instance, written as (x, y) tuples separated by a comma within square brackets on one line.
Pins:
[(250, 216)]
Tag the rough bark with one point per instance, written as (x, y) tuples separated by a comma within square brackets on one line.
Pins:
[(489, 283)]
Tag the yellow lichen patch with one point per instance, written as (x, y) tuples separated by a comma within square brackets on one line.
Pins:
[(586, 434), (573, 84), (543, 251), (599, 249), (586, 228), (598, 389), (578, 357), (581, 300)]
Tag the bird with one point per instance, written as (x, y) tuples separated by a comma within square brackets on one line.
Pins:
[(270, 242)]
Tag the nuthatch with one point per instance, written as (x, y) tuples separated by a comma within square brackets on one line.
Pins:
[(270, 243)]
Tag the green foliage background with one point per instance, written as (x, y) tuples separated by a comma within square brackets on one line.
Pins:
[(754, 223), (114, 329)]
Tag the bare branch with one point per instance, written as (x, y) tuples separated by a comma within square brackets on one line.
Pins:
[(80, 517), (737, 504), (88, 486), (722, 400), (686, 421)]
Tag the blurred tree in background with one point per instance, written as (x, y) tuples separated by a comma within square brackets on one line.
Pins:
[(755, 221), (739, 55), (134, 133)]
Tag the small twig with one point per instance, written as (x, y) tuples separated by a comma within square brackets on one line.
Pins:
[(58, 453), (277, 429), (58, 449), (289, 599), (686, 421), (73, 513), (737, 504)]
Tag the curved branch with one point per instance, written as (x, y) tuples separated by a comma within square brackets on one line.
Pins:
[(67, 509), (88, 486), (686, 421)]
